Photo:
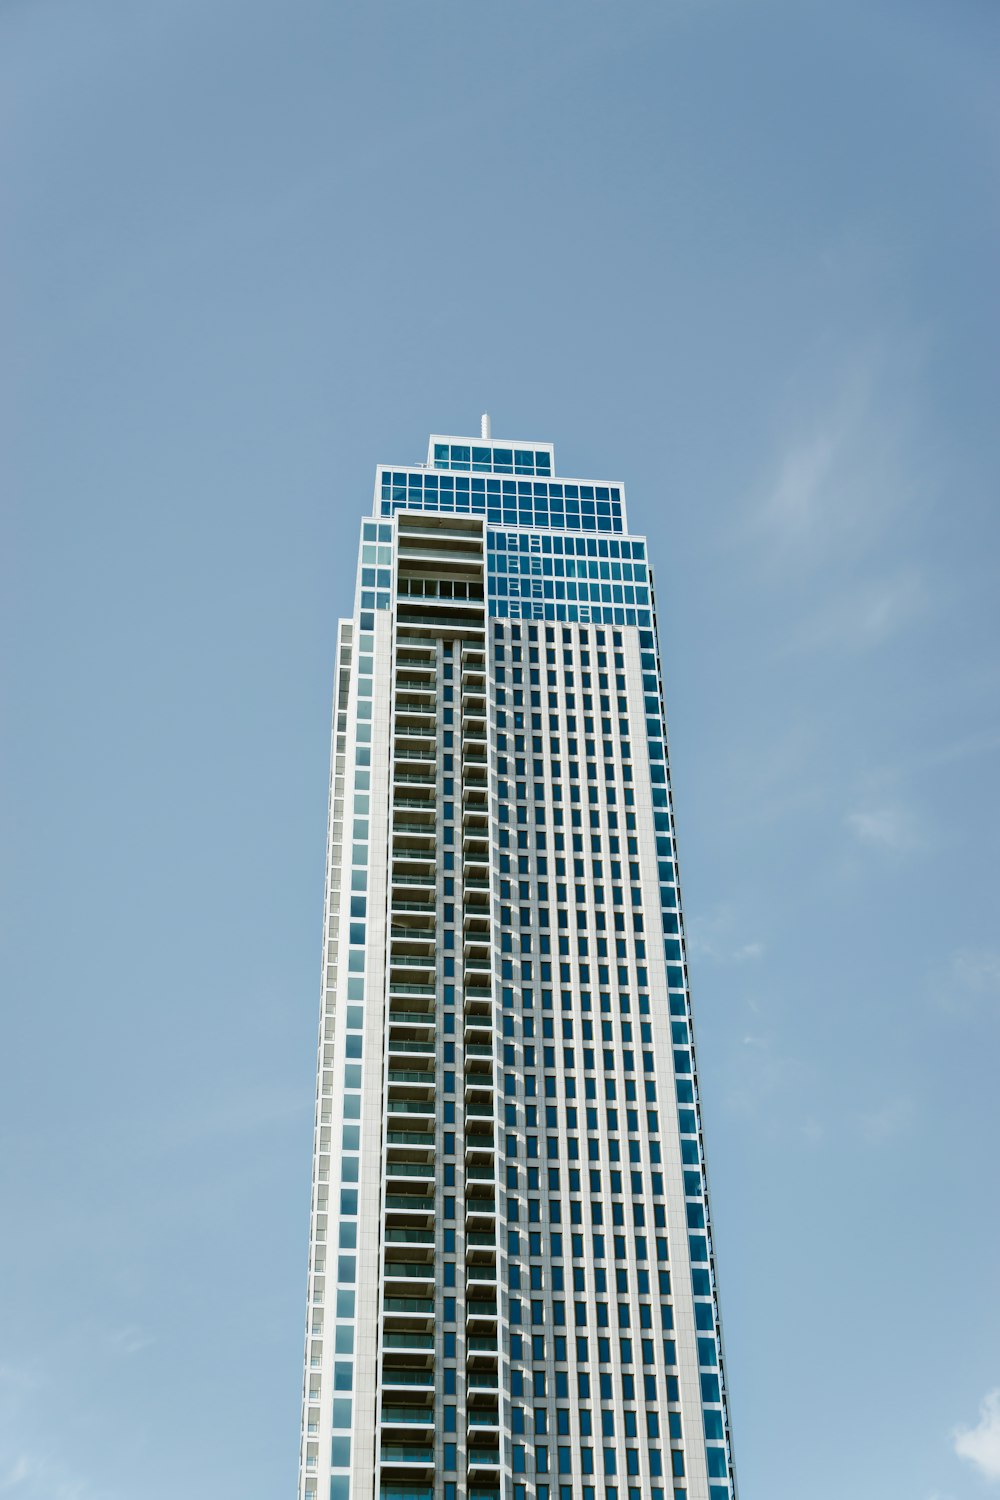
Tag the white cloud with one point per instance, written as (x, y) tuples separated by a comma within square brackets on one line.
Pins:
[(892, 829), (17, 1473), (843, 473), (715, 937), (887, 1122), (981, 1444), (978, 969), (128, 1340), (32, 1476), (865, 615)]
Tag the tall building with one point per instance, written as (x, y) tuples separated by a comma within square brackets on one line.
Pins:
[(512, 1285)]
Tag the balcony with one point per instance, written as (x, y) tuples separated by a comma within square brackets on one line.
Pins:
[(414, 935), (407, 1377), (422, 1305), (483, 1458), (410, 1203), (417, 1343), (409, 1236), (410, 1018), (401, 1271), (404, 755), (398, 1455), (410, 1169), (480, 1210), (407, 1416), (415, 722)]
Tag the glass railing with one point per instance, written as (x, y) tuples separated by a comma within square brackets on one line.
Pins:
[(422, 1415)]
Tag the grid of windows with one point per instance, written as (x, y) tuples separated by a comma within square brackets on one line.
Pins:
[(589, 1304), (568, 578), (485, 459), (504, 502)]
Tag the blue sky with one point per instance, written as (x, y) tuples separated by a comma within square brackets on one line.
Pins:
[(741, 257)]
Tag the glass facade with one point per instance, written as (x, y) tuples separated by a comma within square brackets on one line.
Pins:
[(512, 1286)]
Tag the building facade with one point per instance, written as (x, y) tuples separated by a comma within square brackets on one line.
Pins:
[(512, 1290)]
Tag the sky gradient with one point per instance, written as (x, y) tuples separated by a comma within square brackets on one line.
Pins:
[(741, 257)]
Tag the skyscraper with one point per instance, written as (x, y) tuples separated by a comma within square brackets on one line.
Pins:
[(512, 1283)]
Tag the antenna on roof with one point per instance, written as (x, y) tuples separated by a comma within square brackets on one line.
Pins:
[(484, 425)]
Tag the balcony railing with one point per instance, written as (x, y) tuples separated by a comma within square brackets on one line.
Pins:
[(395, 1415), (422, 1341)]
